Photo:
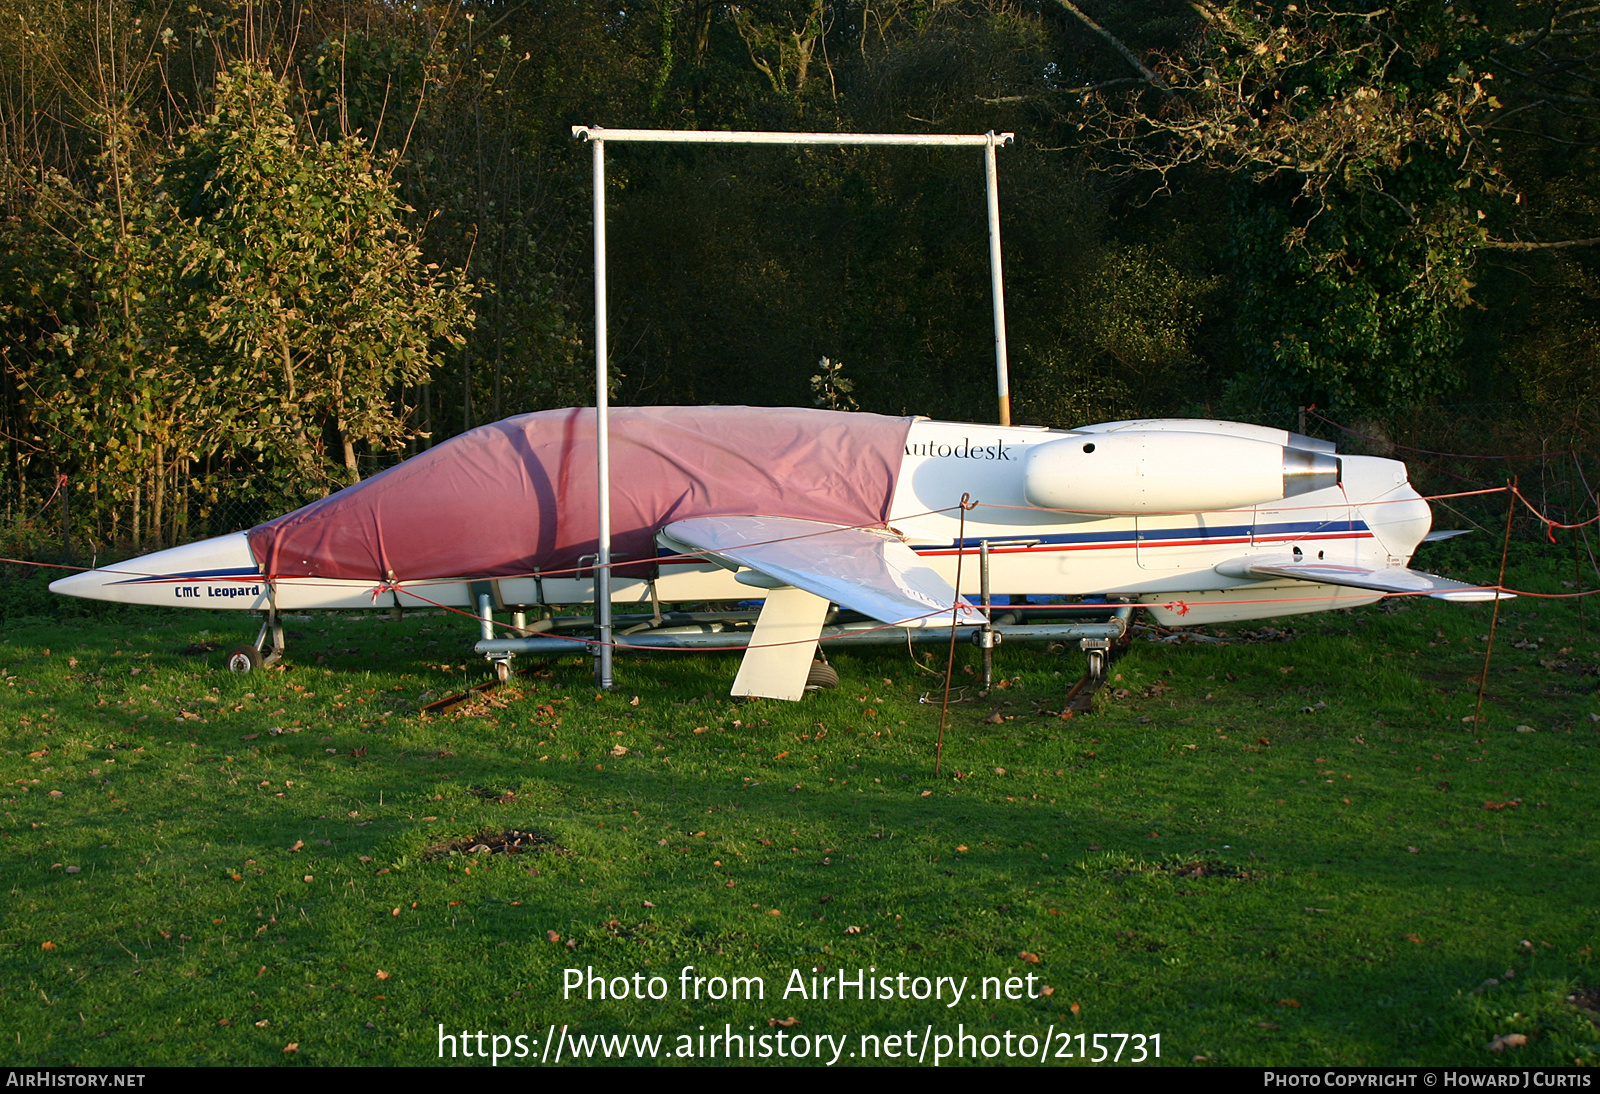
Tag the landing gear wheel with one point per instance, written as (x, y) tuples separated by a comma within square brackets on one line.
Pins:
[(822, 676), (243, 659), (1097, 664), (502, 671)]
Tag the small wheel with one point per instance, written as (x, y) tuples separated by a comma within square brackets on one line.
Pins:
[(243, 659), (822, 675), (1097, 664), (502, 671)]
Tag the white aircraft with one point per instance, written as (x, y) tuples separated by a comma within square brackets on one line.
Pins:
[(1193, 521)]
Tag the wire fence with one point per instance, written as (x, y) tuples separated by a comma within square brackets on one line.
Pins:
[(1553, 459)]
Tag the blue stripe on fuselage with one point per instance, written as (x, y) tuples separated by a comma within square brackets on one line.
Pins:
[(1154, 536), (246, 573)]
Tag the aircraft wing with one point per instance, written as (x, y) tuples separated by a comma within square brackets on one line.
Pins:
[(1389, 580), (865, 570)]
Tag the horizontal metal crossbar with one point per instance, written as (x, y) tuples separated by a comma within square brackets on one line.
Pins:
[(716, 136)]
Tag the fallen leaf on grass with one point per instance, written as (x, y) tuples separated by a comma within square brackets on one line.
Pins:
[(292, 1046), (1075, 1008), (47, 945), (382, 975), (1047, 991), (298, 844), (224, 1022), (1030, 958), (552, 936), (852, 930), (786, 1023), (1507, 1040), (262, 1024), (1289, 1003), (1417, 938)]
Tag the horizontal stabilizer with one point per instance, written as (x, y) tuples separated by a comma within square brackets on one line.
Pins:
[(1395, 579), (1439, 537), (867, 571)]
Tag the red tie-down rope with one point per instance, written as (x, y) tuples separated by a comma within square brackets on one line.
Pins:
[(394, 584), (1550, 526)]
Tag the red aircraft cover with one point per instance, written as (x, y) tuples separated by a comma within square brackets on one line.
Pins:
[(519, 496)]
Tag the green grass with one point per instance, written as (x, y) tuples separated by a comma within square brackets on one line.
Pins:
[(1198, 860)]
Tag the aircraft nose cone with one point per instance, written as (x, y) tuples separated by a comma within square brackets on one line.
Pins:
[(79, 584)]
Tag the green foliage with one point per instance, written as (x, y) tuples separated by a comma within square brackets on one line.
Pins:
[(1358, 135), (1355, 306), (251, 299), (830, 389), (321, 315), (210, 291), (1129, 350)]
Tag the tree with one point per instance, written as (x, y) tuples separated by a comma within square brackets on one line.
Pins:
[(322, 315), (252, 299), (1358, 135)]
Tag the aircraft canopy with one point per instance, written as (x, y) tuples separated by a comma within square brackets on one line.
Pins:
[(519, 496)]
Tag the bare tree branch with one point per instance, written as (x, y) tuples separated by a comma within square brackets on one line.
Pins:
[(1517, 245), (1116, 43)]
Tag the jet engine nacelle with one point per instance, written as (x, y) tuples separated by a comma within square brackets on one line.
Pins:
[(1138, 471)]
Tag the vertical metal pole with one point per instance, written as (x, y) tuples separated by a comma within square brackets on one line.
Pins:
[(602, 570), (485, 617), (1002, 372), (988, 616)]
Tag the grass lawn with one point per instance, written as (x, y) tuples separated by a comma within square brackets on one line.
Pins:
[(1283, 848)]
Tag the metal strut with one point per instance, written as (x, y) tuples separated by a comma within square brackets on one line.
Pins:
[(271, 631)]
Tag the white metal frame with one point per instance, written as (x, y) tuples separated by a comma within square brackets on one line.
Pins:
[(598, 137)]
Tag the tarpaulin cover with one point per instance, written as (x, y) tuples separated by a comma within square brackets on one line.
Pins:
[(519, 496)]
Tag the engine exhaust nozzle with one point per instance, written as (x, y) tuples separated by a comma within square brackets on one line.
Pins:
[(1305, 471)]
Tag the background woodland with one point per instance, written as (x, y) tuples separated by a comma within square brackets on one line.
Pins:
[(253, 251)]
